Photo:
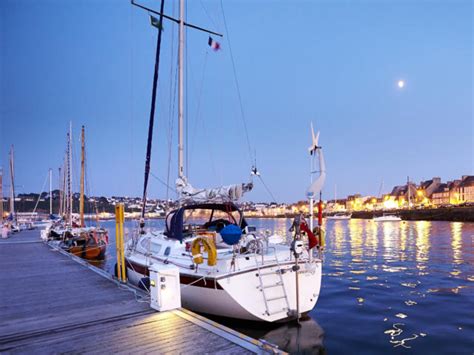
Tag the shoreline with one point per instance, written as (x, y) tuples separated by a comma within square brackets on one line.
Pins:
[(446, 214)]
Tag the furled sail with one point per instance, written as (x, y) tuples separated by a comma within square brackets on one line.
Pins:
[(219, 194)]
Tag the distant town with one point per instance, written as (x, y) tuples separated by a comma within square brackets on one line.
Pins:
[(429, 194)]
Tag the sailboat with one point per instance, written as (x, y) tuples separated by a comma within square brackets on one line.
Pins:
[(71, 235), (385, 217), (227, 267), (338, 216)]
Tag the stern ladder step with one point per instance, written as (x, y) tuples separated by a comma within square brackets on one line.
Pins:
[(276, 312), (275, 298), (270, 286)]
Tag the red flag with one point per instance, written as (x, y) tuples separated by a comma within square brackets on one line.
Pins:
[(313, 241)]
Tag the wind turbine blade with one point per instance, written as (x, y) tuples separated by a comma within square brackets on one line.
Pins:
[(315, 142)]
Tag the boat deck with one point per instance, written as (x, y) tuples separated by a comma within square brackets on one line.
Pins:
[(54, 303)]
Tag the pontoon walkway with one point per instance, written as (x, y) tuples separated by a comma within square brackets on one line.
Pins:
[(53, 303)]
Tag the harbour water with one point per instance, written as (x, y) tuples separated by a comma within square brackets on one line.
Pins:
[(387, 288)]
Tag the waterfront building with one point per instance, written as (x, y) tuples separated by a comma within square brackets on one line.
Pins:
[(424, 192), (440, 196), (446, 194), (354, 203), (466, 189)]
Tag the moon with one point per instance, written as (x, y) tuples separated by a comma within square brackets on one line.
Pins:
[(401, 83)]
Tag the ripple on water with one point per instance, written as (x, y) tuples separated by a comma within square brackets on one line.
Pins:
[(410, 284)]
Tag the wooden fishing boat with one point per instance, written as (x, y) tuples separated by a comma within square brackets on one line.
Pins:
[(87, 243)]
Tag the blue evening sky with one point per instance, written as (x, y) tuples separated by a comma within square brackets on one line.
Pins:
[(335, 63)]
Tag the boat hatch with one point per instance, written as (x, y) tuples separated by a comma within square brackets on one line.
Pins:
[(155, 247)]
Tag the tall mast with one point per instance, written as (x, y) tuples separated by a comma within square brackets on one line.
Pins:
[(181, 90), (60, 193), (50, 191), (64, 186), (81, 201), (1, 194), (69, 175), (12, 184), (65, 205), (181, 23)]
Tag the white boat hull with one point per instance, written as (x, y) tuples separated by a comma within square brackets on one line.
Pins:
[(338, 218), (239, 296)]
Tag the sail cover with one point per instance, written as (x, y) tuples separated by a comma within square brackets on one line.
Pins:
[(317, 184), (227, 193)]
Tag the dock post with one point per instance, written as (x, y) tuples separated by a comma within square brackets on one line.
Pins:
[(119, 219)]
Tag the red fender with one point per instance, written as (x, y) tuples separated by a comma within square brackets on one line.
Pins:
[(313, 240)]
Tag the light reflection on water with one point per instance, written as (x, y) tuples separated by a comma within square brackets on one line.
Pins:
[(386, 286), (456, 242)]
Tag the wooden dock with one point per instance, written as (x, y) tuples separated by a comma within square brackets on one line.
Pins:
[(53, 303)]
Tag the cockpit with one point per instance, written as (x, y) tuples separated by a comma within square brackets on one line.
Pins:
[(205, 218)]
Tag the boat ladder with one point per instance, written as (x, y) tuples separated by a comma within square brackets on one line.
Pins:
[(264, 288)]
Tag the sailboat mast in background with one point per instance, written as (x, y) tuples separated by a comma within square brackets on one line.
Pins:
[(81, 200), (60, 210), (69, 176), (50, 191), (12, 185)]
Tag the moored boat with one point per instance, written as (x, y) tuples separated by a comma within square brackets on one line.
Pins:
[(387, 218), (227, 268), (340, 216), (88, 242), (252, 279)]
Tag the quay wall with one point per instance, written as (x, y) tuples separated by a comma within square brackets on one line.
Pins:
[(451, 214)]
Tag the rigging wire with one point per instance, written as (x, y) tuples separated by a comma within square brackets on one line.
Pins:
[(199, 118), (39, 197), (207, 14), (163, 182), (255, 172), (171, 129), (237, 84), (88, 189), (266, 188)]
